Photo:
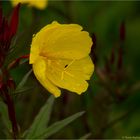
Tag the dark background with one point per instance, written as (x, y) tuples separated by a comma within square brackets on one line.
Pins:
[(112, 100)]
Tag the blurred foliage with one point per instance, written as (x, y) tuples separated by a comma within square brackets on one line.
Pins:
[(108, 114)]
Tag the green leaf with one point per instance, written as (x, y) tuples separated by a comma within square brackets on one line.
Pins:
[(25, 78), (23, 81), (41, 121), (86, 136), (57, 126), (4, 116), (23, 89)]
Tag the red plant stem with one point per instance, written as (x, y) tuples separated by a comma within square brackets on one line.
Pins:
[(22, 57), (16, 62), (9, 102), (11, 113)]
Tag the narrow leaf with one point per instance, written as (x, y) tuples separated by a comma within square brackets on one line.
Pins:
[(14, 20), (41, 121), (23, 81), (4, 116), (86, 136), (57, 126), (19, 91)]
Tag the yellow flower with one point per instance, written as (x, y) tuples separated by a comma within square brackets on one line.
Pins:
[(39, 4), (60, 58)]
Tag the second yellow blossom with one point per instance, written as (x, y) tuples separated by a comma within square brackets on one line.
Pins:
[(39, 4)]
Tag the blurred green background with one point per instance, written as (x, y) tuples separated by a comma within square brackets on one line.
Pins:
[(112, 106)]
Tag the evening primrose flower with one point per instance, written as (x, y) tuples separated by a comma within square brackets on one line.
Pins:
[(39, 4), (60, 58)]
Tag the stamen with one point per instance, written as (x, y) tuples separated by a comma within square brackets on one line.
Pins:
[(62, 75), (69, 74), (66, 66)]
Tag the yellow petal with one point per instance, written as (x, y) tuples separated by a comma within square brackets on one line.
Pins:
[(69, 44), (65, 41), (39, 40), (83, 68), (70, 74), (39, 68)]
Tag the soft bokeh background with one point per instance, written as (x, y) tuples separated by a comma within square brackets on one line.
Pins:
[(109, 113)]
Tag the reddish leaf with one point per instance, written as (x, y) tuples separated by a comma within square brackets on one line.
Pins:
[(14, 20)]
